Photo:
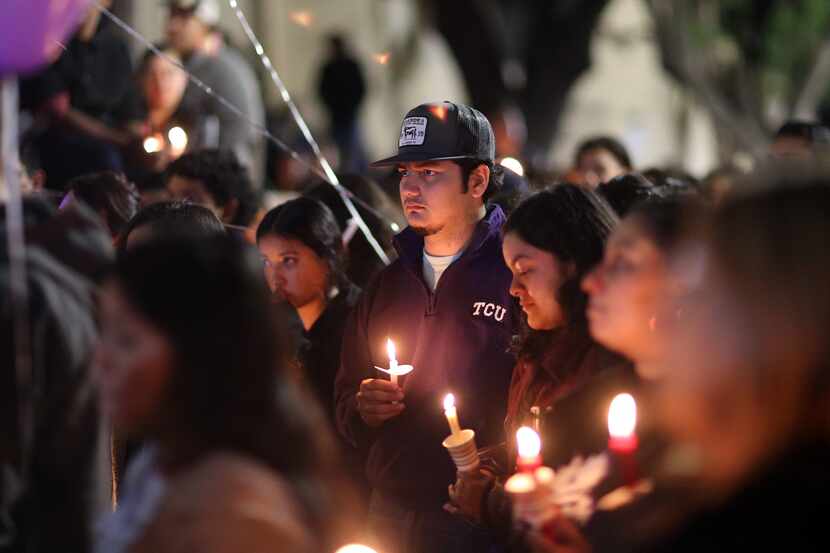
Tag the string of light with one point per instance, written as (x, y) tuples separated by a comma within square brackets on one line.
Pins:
[(347, 196), (301, 124)]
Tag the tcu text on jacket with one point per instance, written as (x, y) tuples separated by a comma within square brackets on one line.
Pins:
[(489, 310)]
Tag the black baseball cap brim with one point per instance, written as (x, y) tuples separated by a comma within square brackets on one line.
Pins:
[(412, 157)]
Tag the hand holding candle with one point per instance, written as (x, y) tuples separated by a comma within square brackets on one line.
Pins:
[(460, 443), (395, 370)]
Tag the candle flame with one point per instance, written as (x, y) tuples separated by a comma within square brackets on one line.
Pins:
[(355, 548), (302, 18), (152, 144), (514, 165), (390, 349), (178, 139), (381, 58), (622, 416), (449, 402), (529, 443)]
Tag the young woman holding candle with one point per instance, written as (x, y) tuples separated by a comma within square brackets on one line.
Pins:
[(745, 385), (236, 458), (551, 241)]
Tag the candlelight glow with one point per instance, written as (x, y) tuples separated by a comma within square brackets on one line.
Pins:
[(152, 144), (390, 349), (520, 484), (178, 139), (439, 111), (514, 165), (449, 402), (302, 18), (355, 548), (382, 58), (622, 416), (528, 442)]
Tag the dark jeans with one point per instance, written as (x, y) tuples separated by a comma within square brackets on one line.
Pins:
[(395, 529), (350, 145)]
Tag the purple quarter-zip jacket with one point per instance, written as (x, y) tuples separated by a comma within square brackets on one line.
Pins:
[(457, 338)]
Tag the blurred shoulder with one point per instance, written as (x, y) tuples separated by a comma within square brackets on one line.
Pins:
[(229, 502)]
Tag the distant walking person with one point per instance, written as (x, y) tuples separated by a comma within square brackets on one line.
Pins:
[(342, 89)]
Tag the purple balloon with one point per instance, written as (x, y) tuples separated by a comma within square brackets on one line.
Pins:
[(32, 32)]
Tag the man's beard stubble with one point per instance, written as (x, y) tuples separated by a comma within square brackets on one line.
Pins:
[(425, 231)]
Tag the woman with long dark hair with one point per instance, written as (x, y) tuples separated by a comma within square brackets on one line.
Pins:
[(551, 241), (302, 249), (190, 363), (627, 289), (745, 383)]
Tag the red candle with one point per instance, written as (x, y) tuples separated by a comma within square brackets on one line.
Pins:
[(622, 420), (529, 446)]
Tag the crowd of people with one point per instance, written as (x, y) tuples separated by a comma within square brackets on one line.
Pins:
[(193, 369)]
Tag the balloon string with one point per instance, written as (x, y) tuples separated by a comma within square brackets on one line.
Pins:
[(18, 280), (298, 118), (346, 195)]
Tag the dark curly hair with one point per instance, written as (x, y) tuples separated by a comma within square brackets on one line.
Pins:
[(496, 181), (572, 223), (110, 194), (224, 177)]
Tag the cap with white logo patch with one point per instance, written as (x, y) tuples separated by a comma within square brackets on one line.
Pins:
[(444, 130)]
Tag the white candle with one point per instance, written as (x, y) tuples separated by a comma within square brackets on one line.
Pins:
[(393, 361), (452, 414)]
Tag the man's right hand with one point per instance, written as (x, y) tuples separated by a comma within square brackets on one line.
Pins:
[(379, 401)]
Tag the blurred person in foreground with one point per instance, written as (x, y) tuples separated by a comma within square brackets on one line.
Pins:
[(235, 458), (168, 219), (745, 382), (601, 158), (85, 106), (446, 306), (192, 32), (54, 450)]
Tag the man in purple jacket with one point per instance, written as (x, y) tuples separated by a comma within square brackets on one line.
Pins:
[(445, 303)]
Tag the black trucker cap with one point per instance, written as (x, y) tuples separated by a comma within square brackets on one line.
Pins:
[(443, 130)]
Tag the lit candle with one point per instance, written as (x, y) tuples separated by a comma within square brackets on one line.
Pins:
[(622, 420), (530, 446), (178, 141), (452, 414), (355, 548), (393, 361), (153, 144)]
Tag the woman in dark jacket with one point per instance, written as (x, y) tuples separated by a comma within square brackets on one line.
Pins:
[(302, 249), (551, 242)]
